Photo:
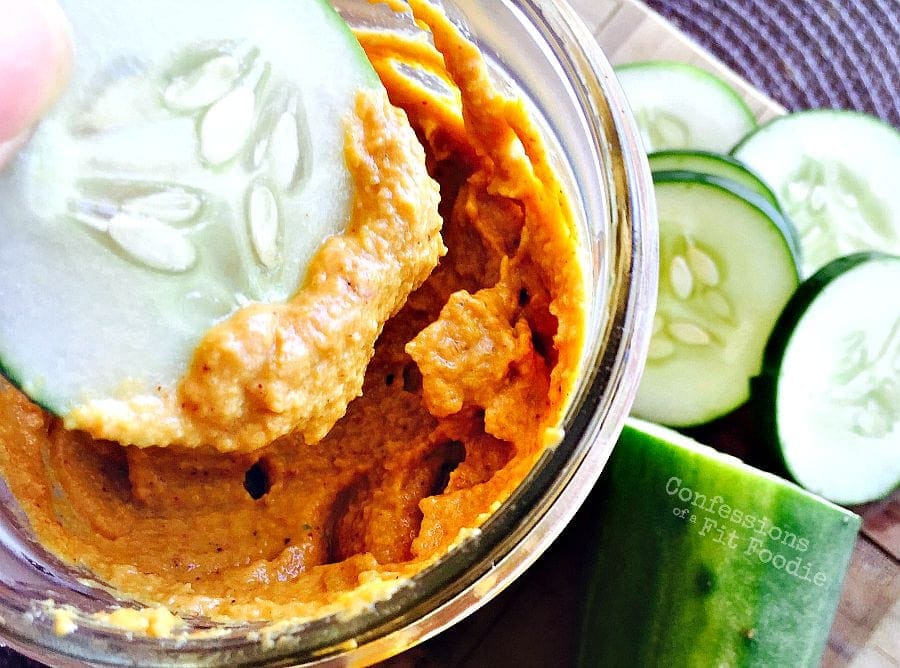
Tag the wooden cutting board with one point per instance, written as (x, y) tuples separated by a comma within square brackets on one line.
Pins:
[(534, 623)]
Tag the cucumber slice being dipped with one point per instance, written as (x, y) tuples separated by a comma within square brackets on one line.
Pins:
[(829, 394), (677, 105), (727, 267), (194, 165), (835, 173), (715, 164)]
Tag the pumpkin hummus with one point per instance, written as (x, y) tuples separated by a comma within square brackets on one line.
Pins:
[(275, 368), (466, 389)]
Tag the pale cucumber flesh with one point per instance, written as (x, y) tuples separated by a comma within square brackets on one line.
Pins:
[(193, 165), (835, 174), (679, 106), (726, 271)]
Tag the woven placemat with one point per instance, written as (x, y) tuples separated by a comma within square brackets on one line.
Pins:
[(803, 53)]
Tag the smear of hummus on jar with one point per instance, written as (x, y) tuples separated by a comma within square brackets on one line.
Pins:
[(466, 389)]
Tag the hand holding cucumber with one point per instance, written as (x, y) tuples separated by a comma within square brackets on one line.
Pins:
[(172, 207)]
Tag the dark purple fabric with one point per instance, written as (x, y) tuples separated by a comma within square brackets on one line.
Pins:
[(803, 53)]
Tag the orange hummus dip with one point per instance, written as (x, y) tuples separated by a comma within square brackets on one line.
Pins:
[(275, 368), (466, 389)]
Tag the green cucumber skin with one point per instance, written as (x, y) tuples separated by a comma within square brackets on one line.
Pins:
[(678, 156), (782, 222), (663, 595), (341, 24), (764, 388), (15, 380)]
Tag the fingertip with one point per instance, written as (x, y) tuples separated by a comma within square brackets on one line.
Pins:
[(35, 59)]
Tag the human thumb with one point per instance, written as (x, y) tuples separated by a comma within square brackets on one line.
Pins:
[(35, 59)]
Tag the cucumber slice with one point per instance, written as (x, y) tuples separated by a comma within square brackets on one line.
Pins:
[(835, 173), (194, 165), (705, 561), (681, 106), (715, 164), (727, 268), (829, 394)]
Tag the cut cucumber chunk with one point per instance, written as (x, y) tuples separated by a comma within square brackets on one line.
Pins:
[(681, 106), (835, 173), (727, 268), (194, 165), (714, 164), (705, 561), (829, 394)]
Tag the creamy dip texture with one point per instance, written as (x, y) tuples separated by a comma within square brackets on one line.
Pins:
[(465, 390), (273, 368)]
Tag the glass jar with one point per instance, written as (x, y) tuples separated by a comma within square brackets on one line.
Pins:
[(540, 49)]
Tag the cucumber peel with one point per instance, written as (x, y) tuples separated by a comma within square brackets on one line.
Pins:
[(705, 561), (714, 164), (193, 166)]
